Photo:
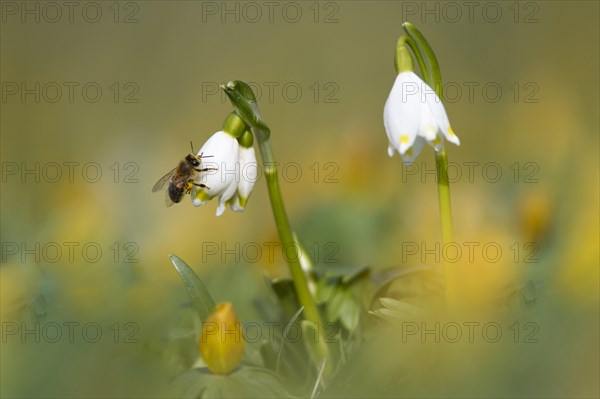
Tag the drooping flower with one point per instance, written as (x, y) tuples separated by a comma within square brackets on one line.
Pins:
[(221, 152), (221, 340), (414, 115)]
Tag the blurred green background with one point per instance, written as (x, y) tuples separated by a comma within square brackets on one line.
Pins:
[(522, 95)]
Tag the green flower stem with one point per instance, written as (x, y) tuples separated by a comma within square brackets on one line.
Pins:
[(441, 161), (432, 76), (244, 102), (311, 312)]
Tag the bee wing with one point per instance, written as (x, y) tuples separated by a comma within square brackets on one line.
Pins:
[(160, 184), (168, 201)]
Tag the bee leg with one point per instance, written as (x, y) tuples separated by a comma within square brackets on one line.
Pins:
[(206, 170), (201, 185)]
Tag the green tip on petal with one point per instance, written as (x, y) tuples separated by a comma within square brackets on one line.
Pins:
[(202, 196), (243, 201)]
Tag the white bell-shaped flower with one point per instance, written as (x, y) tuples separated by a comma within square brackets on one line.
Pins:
[(220, 153), (248, 177), (414, 115)]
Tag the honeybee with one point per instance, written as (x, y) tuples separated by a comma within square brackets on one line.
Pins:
[(181, 178)]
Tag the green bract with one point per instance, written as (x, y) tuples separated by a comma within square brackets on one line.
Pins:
[(427, 59), (244, 101)]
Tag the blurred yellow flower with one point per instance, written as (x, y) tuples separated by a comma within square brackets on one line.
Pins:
[(221, 341)]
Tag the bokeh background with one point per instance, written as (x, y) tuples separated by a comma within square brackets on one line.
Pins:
[(521, 92)]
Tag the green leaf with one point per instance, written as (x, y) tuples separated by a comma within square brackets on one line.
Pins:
[(350, 314), (341, 288), (286, 294), (318, 381), (399, 310), (335, 305), (268, 354), (344, 307), (383, 279), (314, 343), (201, 300), (325, 290), (245, 382), (345, 273), (285, 335)]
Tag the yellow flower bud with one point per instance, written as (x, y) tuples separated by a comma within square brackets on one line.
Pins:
[(221, 341)]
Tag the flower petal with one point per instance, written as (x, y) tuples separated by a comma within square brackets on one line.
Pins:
[(414, 115), (248, 172), (451, 136), (428, 129), (220, 153), (226, 196), (409, 156), (436, 108), (391, 150), (199, 196), (220, 209), (401, 113)]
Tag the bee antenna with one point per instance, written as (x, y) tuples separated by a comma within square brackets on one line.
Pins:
[(192, 145)]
